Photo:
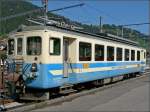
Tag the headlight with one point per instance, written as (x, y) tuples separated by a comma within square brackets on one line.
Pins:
[(34, 67)]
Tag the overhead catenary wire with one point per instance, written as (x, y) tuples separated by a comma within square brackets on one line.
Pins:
[(67, 7), (83, 9), (21, 14), (76, 18), (136, 24), (100, 16), (99, 11), (117, 19), (40, 9)]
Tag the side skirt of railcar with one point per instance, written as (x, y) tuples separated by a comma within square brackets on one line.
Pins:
[(46, 94)]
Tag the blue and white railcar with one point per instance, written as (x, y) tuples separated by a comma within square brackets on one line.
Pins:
[(54, 56)]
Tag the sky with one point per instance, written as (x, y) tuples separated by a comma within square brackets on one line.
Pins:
[(116, 12)]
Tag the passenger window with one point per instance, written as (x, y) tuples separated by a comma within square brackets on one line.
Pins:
[(99, 53), (11, 45), (84, 51), (110, 53), (19, 46), (34, 45), (132, 55), (138, 55), (54, 46), (119, 54), (127, 54)]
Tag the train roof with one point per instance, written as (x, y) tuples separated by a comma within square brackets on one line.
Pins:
[(60, 29)]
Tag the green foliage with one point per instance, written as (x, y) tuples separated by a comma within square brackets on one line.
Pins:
[(11, 7)]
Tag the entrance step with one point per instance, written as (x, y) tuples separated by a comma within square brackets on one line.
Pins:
[(66, 89)]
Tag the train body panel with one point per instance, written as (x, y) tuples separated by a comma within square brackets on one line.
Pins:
[(51, 75), (62, 56)]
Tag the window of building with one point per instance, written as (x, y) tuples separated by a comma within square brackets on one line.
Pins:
[(85, 51), (19, 46), (132, 55), (11, 45), (138, 55), (55, 45), (110, 53), (119, 54), (34, 45), (99, 53), (127, 54)]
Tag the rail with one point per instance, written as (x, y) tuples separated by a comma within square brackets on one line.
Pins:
[(61, 99)]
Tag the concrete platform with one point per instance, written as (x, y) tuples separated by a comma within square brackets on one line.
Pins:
[(130, 96)]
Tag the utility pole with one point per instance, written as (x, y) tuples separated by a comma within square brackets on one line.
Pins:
[(117, 31), (45, 6), (131, 25), (122, 31), (100, 24)]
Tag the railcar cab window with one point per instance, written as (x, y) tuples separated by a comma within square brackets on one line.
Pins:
[(54, 46), (11, 45), (99, 53), (19, 46), (132, 55), (34, 45), (84, 51), (110, 53), (119, 54), (138, 55), (126, 55)]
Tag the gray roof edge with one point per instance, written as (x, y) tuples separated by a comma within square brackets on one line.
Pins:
[(108, 36)]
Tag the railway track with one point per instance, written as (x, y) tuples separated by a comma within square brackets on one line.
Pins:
[(32, 105)]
